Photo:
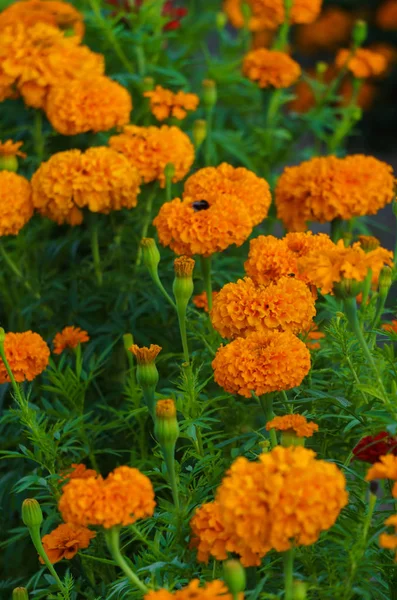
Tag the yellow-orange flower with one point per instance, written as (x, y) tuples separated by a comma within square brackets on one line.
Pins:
[(94, 104), (125, 496), (328, 32), (390, 327), (389, 541), (244, 307), (10, 148), (191, 226), (262, 362), (270, 14), (252, 191), (386, 17), (65, 541), (386, 468), (99, 179), (145, 356), (326, 188), (165, 103), (16, 207), (27, 355), (53, 12), (150, 149), (69, 337), (201, 300), (271, 68), (286, 498), (296, 423), (363, 64), (77, 471), (213, 590)]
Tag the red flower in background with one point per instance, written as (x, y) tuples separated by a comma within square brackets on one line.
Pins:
[(372, 447), (175, 13)]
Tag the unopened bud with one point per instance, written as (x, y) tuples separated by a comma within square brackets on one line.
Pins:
[(147, 373), (221, 20), (20, 593), (166, 428), (360, 32), (299, 590), (265, 445), (9, 163), (183, 286), (148, 84), (150, 255), (234, 576), (31, 513), (321, 68), (368, 242), (199, 132), (210, 94), (385, 280), (347, 288), (289, 438)]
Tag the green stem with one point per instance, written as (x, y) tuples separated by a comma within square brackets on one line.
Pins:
[(266, 403), (36, 539), (13, 267), (336, 229), (206, 273), (288, 574), (96, 257), (15, 386), (282, 39), (38, 139), (366, 290), (156, 279), (169, 459), (208, 137), (112, 536), (348, 120), (181, 312), (146, 221)]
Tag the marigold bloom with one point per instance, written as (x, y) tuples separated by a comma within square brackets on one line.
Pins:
[(363, 64), (389, 541), (165, 103), (16, 207), (390, 327), (53, 12), (27, 355), (150, 149), (184, 266), (191, 226), (371, 447), (125, 496), (69, 337), (287, 497), (386, 468), (201, 300), (77, 471), (145, 356), (262, 362), (296, 423), (94, 104), (269, 14), (100, 179), (213, 590), (252, 191), (326, 188), (65, 541), (328, 32), (10, 148), (271, 68), (386, 16)]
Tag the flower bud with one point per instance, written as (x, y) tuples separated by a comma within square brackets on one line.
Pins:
[(31, 513), (385, 281), (289, 438), (9, 162), (347, 288), (166, 428), (210, 94), (169, 171), (183, 286), (321, 68), (150, 255), (148, 84), (299, 590), (20, 593), (234, 576), (360, 32), (146, 373), (199, 132), (368, 242), (221, 20)]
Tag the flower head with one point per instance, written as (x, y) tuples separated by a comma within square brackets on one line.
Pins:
[(65, 541), (27, 355), (165, 408), (326, 188), (99, 179), (262, 362), (251, 190), (363, 64), (296, 423), (145, 356), (212, 590), (328, 32), (16, 207), (77, 471), (390, 327), (389, 541), (69, 337), (372, 447), (94, 104), (52, 12), (165, 103), (270, 14), (386, 468), (10, 148), (271, 68), (191, 226), (150, 149)]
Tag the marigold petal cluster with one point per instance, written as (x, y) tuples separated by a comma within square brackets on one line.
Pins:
[(296, 423), (52, 12), (77, 471), (326, 188), (65, 541), (372, 447), (262, 362), (386, 16), (94, 104), (165, 103), (99, 179), (27, 355), (145, 356), (389, 541), (271, 68), (244, 307), (10, 148), (69, 337), (150, 149), (252, 191), (201, 300), (16, 206), (270, 14), (328, 32), (386, 468), (363, 64), (390, 327), (204, 227), (125, 496), (212, 590)]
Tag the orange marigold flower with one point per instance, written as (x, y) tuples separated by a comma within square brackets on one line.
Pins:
[(386, 17), (16, 207), (296, 423), (286, 498), (145, 356), (271, 68), (252, 191), (390, 327), (125, 496), (326, 188), (27, 355), (77, 471), (53, 12), (389, 541), (201, 300), (69, 337), (386, 468), (95, 104), (150, 149), (99, 179), (363, 64), (191, 226), (213, 590), (165, 103), (243, 307), (65, 541), (270, 14), (262, 362), (328, 32), (10, 148)]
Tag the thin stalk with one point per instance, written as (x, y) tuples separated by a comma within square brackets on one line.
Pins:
[(146, 221), (282, 39), (13, 267), (206, 273), (169, 459), (366, 290), (208, 138), (156, 279), (112, 537), (348, 120), (36, 539), (266, 403), (96, 257), (38, 138), (288, 574), (181, 312)]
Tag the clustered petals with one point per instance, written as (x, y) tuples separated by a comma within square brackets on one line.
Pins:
[(213, 590), (296, 423), (271, 68), (69, 337), (270, 14), (165, 103), (363, 64), (16, 206), (65, 541), (27, 355)]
